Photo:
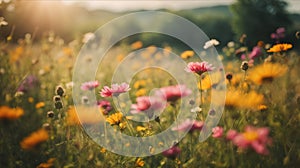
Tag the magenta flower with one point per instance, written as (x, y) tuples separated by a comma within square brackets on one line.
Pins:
[(256, 52), (217, 132), (256, 138), (89, 85), (105, 106), (115, 90), (173, 152), (188, 123), (231, 134), (279, 34), (199, 67), (173, 93), (147, 105)]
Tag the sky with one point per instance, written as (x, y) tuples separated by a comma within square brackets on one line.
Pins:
[(124, 5)]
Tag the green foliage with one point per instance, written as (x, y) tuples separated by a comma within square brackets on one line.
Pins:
[(259, 18)]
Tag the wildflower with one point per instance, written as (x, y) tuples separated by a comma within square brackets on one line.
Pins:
[(256, 138), (279, 34), (30, 99), (229, 76), (280, 48), (256, 52), (297, 35), (173, 93), (210, 43), (84, 100), (244, 65), (140, 92), (231, 134), (115, 90), (48, 164), (105, 106), (34, 139), (58, 105), (10, 113), (173, 152), (262, 107), (85, 113), (136, 45), (187, 54), (140, 128), (266, 73), (56, 98), (209, 81), (139, 162), (60, 91), (139, 84), (190, 125), (88, 36), (30, 83), (3, 22), (89, 85), (199, 67), (147, 104), (217, 132), (50, 114), (115, 119), (39, 105), (196, 110)]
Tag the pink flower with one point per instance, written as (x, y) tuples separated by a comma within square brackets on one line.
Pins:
[(89, 85), (173, 152), (115, 90), (256, 138), (189, 124), (173, 93), (256, 52), (105, 106), (199, 67), (217, 132), (147, 105), (231, 134)]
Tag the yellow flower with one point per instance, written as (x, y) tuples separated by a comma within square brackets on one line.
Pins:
[(209, 81), (139, 162), (187, 54), (48, 164), (86, 115), (16, 54), (280, 47), (141, 92), (137, 45), (266, 73), (67, 51), (34, 139), (238, 99), (140, 128), (115, 119), (10, 113), (39, 105), (262, 107), (139, 84), (30, 100)]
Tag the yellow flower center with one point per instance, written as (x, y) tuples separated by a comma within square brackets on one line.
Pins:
[(250, 135)]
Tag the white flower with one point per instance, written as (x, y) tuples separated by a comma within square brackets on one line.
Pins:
[(3, 22), (210, 43), (88, 36), (196, 110)]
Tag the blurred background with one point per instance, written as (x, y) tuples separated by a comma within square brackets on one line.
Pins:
[(222, 19)]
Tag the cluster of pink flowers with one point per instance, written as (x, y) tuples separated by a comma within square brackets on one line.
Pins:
[(89, 85), (189, 124), (217, 132), (279, 34), (114, 90), (255, 138), (199, 67), (173, 93)]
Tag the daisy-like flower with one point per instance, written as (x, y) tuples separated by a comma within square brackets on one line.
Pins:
[(3, 22), (34, 139), (256, 138), (199, 67), (189, 124), (89, 85), (217, 132), (115, 90), (265, 73), (173, 93), (280, 48), (105, 106), (147, 105), (115, 119), (210, 43), (88, 36)]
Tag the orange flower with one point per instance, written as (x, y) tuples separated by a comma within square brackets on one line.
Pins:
[(137, 45), (48, 164), (39, 105), (10, 113), (34, 139), (187, 54), (280, 47), (87, 115)]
